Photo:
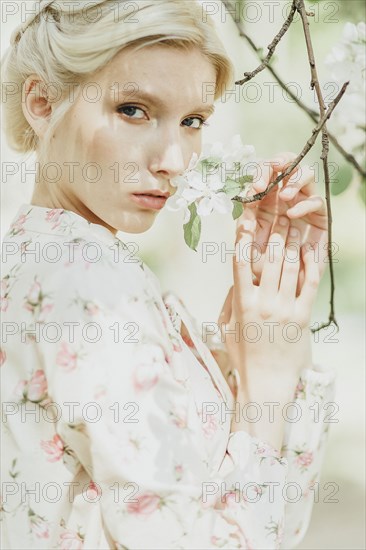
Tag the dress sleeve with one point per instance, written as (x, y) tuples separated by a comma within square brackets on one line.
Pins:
[(308, 419), (135, 430), (313, 411)]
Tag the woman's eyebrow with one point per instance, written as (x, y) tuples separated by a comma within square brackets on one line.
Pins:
[(134, 94)]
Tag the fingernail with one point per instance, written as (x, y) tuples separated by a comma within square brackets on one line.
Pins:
[(288, 191), (292, 254), (261, 184), (295, 209), (294, 232)]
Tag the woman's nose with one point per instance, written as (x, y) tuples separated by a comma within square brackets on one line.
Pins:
[(169, 159)]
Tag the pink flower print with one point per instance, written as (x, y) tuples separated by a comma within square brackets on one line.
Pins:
[(37, 387), (65, 358), (276, 529), (54, 448), (175, 341), (209, 426), (178, 470), (34, 299), (71, 540), (91, 308), (2, 357), (54, 217), (100, 391), (168, 359), (218, 542), (147, 503), (300, 390), (4, 294), (38, 525), (17, 227), (266, 451), (24, 246), (20, 389), (44, 312), (179, 418), (304, 459), (310, 486), (145, 376), (34, 294), (230, 499), (93, 492), (176, 344)]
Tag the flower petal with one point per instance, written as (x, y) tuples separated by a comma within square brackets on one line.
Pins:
[(204, 207), (191, 195), (187, 216), (222, 203), (175, 203)]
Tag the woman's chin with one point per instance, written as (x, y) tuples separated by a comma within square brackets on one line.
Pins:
[(136, 228)]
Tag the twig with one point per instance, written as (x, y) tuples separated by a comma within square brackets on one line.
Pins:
[(315, 117), (310, 112), (271, 47), (309, 144), (300, 7)]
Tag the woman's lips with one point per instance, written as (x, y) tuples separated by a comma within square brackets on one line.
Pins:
[(149, 201)]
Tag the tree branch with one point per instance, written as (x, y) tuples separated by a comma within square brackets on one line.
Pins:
[(299, 6), (309, 144), (310, 112), (271, 47)]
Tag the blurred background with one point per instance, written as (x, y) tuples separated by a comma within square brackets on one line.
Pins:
[(269, 119)]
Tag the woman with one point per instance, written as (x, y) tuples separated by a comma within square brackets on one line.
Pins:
[(120, 427)]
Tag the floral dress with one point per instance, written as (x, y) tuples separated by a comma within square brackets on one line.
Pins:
[(116, 428)]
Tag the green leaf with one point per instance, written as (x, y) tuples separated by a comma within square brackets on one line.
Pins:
[(245, 179), (362, 191), (209, 166), (232, 188), (192, 229), (238, 209), (342, 180)]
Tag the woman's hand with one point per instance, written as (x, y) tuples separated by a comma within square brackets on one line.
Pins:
[(266, 323), (297, 199)]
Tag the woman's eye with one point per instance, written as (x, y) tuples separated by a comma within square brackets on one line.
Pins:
[(131, 111), (194, 122)]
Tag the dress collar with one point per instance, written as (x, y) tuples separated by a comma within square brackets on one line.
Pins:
[(58, 222)]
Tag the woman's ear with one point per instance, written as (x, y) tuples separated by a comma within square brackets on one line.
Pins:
[(36, 105)]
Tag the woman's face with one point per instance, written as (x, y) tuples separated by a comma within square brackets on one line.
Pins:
[(134, 138)]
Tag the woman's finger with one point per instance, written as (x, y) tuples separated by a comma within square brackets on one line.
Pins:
[(262, 178), (315, 203), (301, 179), (311, 279), (318, 239), (281, 161), (242, 259), (291, 267), (272, 267), (269, 170)]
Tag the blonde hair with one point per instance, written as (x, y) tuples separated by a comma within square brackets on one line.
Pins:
[(65, 44)]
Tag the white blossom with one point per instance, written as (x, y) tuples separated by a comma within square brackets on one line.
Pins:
[(347, 61), (204, 180)]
